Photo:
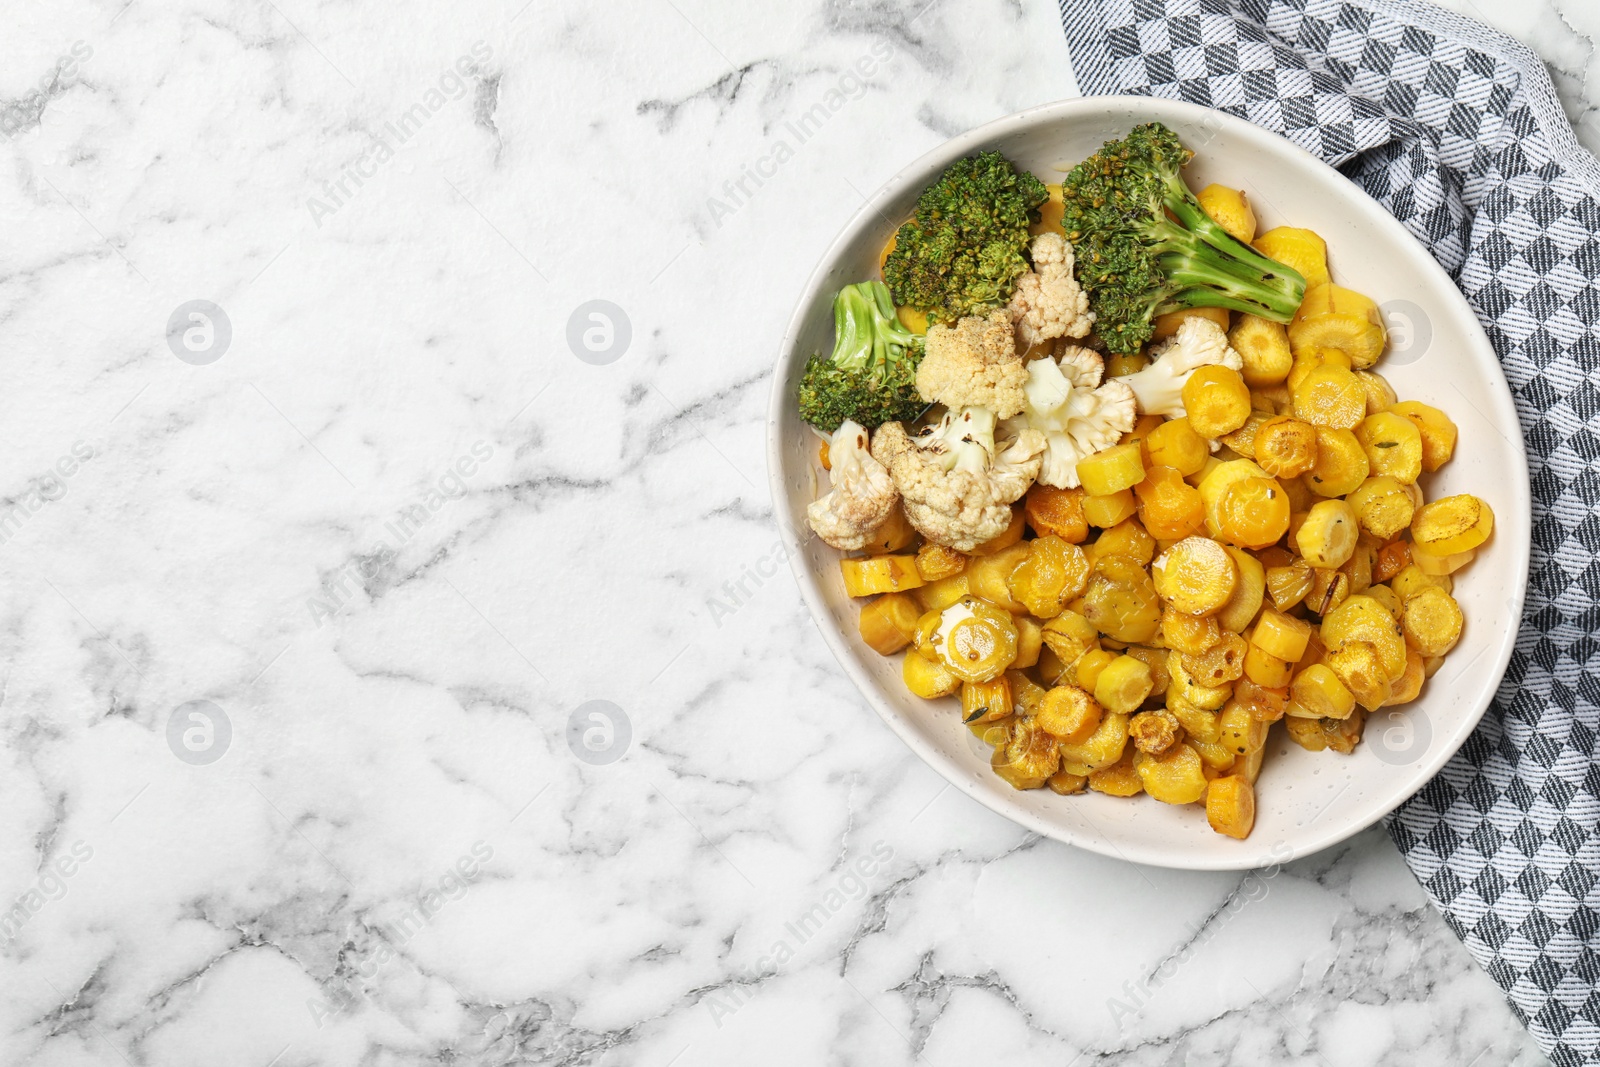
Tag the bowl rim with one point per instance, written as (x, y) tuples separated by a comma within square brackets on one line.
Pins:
[(1518, 525)]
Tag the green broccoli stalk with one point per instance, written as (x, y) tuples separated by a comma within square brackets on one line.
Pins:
[(964, 250), (872, 375), (1146, 247)]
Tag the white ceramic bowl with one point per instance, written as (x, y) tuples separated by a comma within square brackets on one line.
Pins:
[(1305, 801)]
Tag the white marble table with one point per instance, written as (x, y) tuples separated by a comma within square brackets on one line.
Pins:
[(300, 612)]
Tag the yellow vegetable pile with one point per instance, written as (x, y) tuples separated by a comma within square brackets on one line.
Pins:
[(1143, 633)]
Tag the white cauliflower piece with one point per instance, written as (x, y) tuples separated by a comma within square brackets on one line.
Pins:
[(1048, 302), (973, 364), (1198, 343), (956, 480), (863, 496), (1077, 415), (1083, 367)]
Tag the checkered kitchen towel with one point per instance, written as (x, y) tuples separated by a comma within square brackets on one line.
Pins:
[(1456, 130)]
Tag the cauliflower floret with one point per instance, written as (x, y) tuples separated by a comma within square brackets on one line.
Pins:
[(863, 497), (956, 481), (1047, 302), (1083, 367), (1076, 413), (1198, 343), (973, 364)]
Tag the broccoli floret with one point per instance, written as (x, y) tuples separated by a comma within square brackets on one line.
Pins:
[(964, 250), (1136, 262), (871, 377)]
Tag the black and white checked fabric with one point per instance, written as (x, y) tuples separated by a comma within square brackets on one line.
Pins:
[(1456, 129)]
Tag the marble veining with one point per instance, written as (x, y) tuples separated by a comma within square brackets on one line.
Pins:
[(400, 664)]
